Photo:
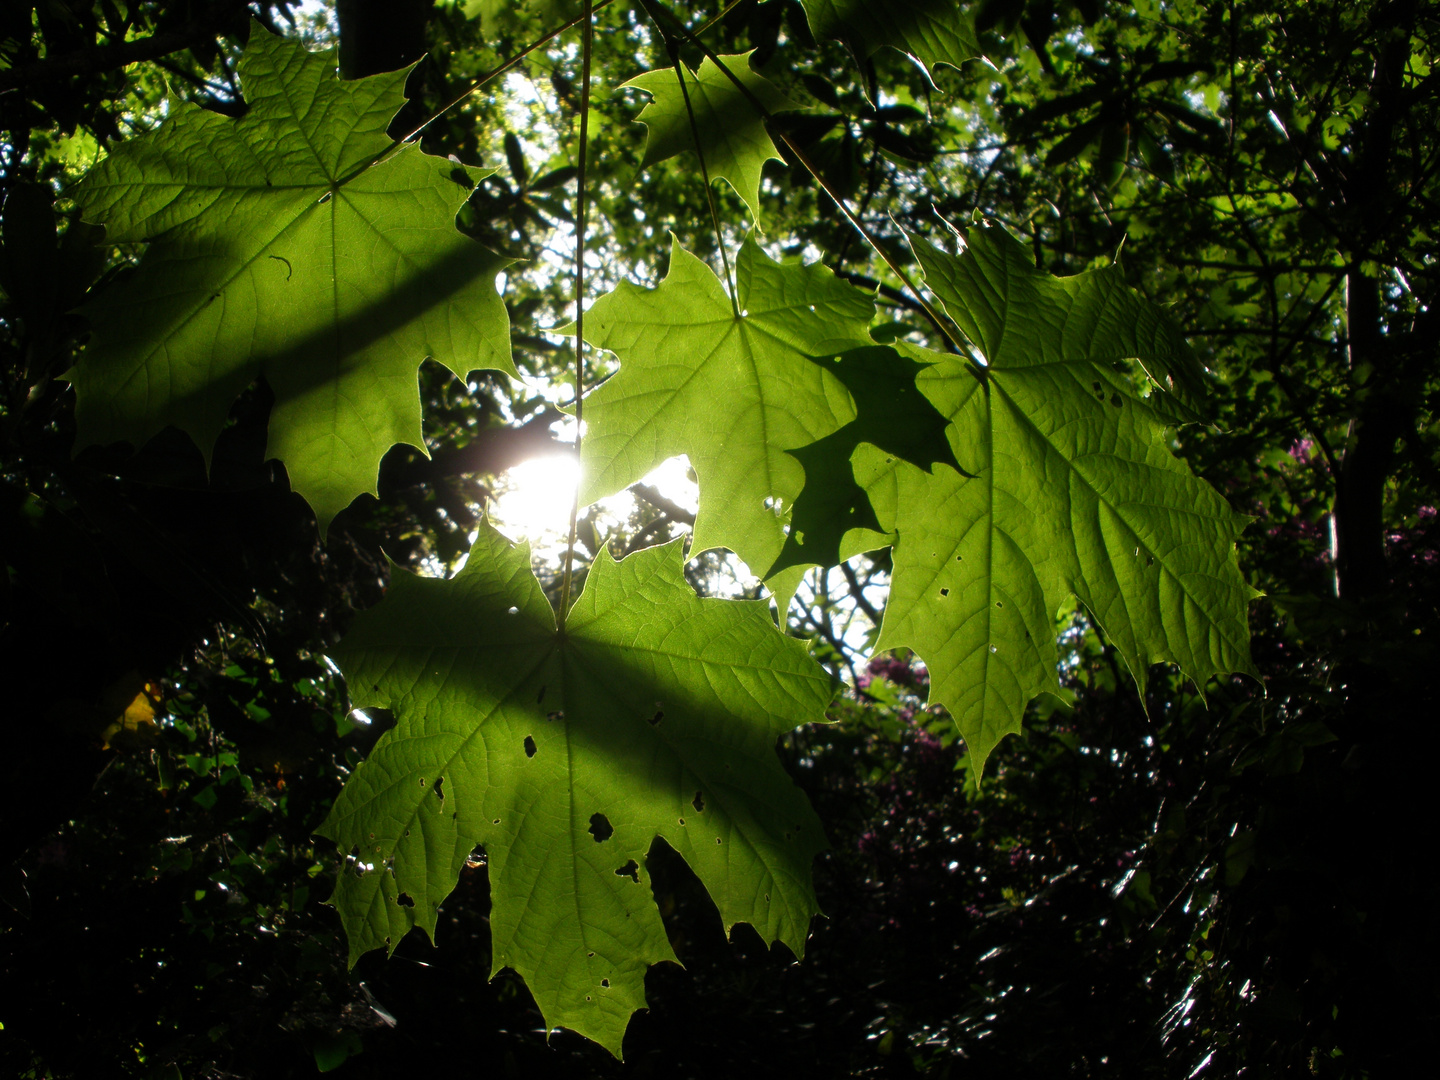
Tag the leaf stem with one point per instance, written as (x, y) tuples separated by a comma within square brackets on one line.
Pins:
[(934, 316), (673, 47), (588, 16), (476, 85), (585, 17)]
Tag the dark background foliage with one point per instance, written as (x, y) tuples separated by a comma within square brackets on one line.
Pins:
[(1174, 886)]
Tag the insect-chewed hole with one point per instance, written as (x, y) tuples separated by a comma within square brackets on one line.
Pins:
[(600, 828), (698, 803), (605, 983), (440, 788), (556, 715), (944, 592), (404, 900), (659, 715), (631, 870), (529, 745), (513, 611)]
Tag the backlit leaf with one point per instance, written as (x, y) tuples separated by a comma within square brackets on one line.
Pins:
[(732, 131), (1073, 492), (734, 392), (654, 714), (932, 31), (279, 247)]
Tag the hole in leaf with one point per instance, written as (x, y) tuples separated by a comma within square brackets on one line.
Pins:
[(993, 649), (495, 822), (698, 803), (422, 781), (631, 870), (605, 983), (944, 592), (657, 717), (541, 696), (404, 900), (682, 821), (1149, 560), (1115, 400), (999, 603), (600, 828), (557, 715), (529, 745), (1098, 388), (589, 954), (439, 789), (513, 611), (326, 197), (799, 538), (767, 898), (717, 840)]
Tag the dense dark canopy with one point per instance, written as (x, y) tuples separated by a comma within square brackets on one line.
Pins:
[(1180, 881)]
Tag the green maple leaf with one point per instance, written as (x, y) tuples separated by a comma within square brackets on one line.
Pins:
[(653, 714), (832, 518), (733, 138), (1073, 492), (733, 392), (932, 31), (278, 247)]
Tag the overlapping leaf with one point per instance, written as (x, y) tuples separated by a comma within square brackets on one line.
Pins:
[(654, 714), (734, 392), (732, 131), (832, 519), (277, 247), (932, 31), (1073, 491)]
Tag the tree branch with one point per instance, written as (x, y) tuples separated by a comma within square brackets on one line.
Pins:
[(98, 58)]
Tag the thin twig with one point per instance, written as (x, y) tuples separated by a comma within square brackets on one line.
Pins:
[(935, 318), (476, 85), (668, 507), (580, 208), (585, 17), (673, 47)]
